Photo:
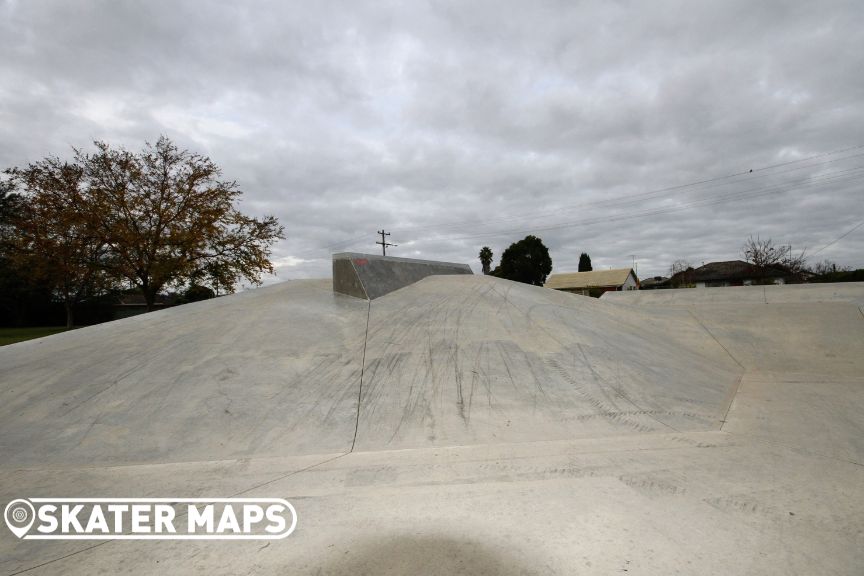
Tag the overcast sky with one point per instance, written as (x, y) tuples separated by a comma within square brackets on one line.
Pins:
[(455, 125)]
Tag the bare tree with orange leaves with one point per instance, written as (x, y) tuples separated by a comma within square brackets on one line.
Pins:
[(162, 217)]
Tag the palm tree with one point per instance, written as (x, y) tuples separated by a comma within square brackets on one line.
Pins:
[(486, 259)]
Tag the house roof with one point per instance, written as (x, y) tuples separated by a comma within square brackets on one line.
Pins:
[(593, 279), (654, 281), (734, 270)]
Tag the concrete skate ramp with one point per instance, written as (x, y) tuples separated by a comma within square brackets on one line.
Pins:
[(244, 375), (775, 294), (458, 360), (451, 360), (369, 276), (815, 329), (461, 424), (802, 350)]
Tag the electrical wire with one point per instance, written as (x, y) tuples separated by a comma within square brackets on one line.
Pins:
[(629, 199), (844, 235), (837, 176), (753, 193)]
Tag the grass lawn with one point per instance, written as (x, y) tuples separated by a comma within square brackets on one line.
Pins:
[(13, 335)]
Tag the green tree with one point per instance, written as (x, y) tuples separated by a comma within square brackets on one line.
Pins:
[(486, 259), (584, 263), (196, 293), (525, 261)]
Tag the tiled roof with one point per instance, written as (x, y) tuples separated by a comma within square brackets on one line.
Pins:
[(733, 270)]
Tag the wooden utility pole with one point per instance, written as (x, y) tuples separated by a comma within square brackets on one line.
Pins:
[(384, 244)]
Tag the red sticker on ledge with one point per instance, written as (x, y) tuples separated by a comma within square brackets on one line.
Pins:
[(361, 261)]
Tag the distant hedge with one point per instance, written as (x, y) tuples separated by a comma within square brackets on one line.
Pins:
[(841, 276)]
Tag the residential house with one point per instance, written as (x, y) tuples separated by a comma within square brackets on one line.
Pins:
[(594, 283), (734, 273), (654, 283), (133, 303)]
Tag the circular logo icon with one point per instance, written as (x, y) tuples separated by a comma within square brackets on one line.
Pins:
[(19, 515)]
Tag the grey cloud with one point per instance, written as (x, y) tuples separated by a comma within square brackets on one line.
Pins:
[(444, 121)]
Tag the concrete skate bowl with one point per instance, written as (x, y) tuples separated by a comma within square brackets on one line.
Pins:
[(474, 421)]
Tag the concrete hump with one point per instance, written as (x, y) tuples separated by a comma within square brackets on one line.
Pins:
[(852, 292), (369, 276)]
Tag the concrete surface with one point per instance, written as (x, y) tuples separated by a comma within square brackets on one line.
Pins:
[(774, 294), (370, 276), (460, 425), (203, 381)]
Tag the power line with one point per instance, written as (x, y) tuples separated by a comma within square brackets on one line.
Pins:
[(841, 175), (838, 238), (633, 198), (752, 193), (641, 196)]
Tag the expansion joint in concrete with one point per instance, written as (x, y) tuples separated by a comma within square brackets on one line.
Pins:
[(715, 339), (730, 399), (362, 371)]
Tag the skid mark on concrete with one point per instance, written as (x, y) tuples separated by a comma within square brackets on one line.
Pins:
[(586, 385), (183, 513)]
